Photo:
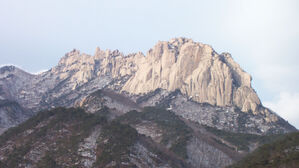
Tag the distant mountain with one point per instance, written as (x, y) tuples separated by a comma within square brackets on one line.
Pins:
[(283, 153)]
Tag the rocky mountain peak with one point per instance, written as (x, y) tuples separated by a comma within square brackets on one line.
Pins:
[(69, 57), (170, 50), (198, 72), (73, 53), (10, 70)]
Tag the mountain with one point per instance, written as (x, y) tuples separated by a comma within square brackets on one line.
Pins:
[(193, 68), (180, 105), (202, 78), (279, 154)]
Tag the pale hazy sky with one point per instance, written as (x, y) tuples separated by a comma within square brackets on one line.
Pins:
[(261, 35)]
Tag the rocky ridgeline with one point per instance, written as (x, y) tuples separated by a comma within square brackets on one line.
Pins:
[(194, 69)]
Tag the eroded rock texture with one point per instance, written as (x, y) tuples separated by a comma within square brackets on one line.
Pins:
[(197, 71)]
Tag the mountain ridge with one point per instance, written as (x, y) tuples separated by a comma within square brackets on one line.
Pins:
[(195, 69), (88, 64)]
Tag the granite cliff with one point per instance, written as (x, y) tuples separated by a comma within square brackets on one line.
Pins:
[(198, 72)]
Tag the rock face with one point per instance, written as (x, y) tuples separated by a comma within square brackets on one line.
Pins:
[(194, 69), (198, 72), (104, 63)]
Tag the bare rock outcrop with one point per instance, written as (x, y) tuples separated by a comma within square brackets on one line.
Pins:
[(197, 71), (84, 67)]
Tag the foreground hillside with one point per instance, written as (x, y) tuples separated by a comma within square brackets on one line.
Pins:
[(72, 138), (154, 137), (283, 153)]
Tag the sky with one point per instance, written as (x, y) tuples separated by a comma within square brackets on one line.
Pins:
[(261, 35)]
